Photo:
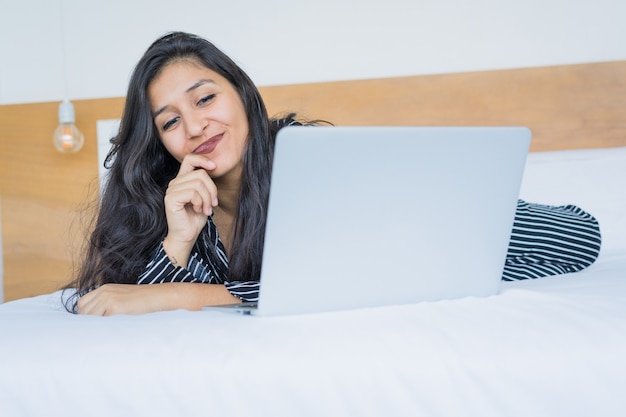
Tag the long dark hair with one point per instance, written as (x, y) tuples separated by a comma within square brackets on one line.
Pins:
[(131, 221)]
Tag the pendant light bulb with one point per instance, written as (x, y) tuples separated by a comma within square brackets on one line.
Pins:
[(67, 138)]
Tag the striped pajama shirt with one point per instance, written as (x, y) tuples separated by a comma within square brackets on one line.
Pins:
[(545, 240), (550, 240)]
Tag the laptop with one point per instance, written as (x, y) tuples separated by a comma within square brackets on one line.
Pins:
[(363, 217)]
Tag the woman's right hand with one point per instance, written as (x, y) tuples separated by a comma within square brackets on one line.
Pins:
[(189, 200)]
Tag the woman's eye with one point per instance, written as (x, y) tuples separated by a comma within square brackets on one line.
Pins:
[(169, 123), (206, 99)]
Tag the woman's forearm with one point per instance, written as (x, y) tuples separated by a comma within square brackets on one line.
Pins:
[(113, 299)]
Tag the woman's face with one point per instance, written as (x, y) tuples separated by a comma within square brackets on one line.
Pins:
[(196, 110)]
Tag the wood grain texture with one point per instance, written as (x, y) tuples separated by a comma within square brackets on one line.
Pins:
[(43, 193), (566, 107)]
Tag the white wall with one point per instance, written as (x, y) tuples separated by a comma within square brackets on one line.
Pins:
[(1, 261), (291, 41)]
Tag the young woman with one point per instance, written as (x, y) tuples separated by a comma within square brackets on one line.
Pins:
[(186, 199)]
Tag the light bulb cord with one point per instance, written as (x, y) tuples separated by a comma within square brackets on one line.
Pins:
[(63, 51)]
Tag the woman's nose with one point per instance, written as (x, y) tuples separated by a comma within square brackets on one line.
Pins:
[(194, 125)]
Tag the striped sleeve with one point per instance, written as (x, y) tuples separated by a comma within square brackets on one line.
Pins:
[(244, 290), (160, 269), (550, 240)]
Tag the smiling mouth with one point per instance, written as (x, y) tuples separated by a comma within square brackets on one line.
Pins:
[(209, 146)]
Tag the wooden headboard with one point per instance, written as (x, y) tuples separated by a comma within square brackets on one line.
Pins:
[(573, 106), (42, 192)]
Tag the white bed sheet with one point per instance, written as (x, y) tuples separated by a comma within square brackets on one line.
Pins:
[(546, 347)]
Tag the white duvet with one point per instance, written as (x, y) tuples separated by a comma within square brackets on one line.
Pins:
[(549, 347)]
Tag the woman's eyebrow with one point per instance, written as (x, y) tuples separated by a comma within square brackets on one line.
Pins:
[(197, 84)]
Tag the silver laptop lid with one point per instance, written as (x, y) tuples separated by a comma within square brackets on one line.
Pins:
[(371, 216)]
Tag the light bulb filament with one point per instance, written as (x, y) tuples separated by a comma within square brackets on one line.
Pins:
[(67, 138)]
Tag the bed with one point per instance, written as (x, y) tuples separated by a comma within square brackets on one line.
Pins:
[(547, 347)]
